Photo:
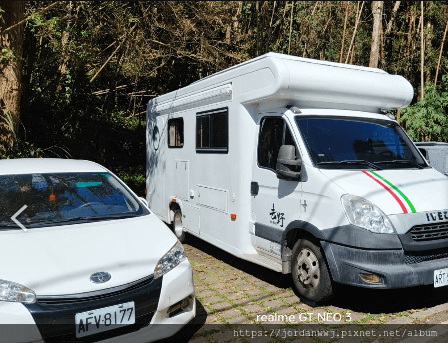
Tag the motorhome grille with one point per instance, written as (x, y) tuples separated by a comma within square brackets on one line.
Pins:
[(62, 300), (418, 257), (429, 232)]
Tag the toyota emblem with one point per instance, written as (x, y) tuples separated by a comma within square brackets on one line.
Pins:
[(100, 277)]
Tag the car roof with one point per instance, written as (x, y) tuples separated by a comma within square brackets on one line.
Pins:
[(47, 165)]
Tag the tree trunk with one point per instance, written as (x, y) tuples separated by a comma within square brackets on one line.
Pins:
[(387, 37), (410, 41), (440, 53), (290, 28), (347, 7), (11, 71), (377, 10), (422, 53), (358, 16), (257, 9), (392, 18)]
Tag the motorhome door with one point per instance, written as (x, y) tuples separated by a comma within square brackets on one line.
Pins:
[(275, 202)]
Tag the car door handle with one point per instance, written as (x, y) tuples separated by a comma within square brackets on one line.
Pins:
[(254, 188)]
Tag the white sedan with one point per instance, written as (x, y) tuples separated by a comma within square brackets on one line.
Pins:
[(83, 258)]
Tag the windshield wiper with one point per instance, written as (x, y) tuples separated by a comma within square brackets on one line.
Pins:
[(56, 221), (370, 164), (115, 216), (415, 164), (8, 226), (81, 219)]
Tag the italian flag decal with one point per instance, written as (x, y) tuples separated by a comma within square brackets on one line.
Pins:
[(393, 190)]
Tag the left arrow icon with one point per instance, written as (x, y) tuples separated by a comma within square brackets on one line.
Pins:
[(14, 218)]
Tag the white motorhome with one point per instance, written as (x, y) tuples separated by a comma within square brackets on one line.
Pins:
[(293, 164)]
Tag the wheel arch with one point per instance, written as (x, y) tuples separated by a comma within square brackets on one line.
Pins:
[(174, 205), (298, 229)]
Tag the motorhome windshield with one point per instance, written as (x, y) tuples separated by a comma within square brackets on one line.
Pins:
[(357, 143)]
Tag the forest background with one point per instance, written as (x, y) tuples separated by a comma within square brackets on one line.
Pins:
[(76, 75)]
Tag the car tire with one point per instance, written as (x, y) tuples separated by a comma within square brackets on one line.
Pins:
[(310, 273), (178, 228)]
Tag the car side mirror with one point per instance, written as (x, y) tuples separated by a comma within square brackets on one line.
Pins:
[(287, 163)]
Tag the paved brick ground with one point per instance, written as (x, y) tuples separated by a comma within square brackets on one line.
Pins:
[(231, 293)]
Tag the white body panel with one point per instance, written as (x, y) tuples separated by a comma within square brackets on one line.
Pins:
[(219, 184), (120, 246), (422, 187)]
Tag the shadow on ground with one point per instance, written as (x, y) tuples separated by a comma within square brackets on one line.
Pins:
[(389, 301), (347, 297), (262, 273)]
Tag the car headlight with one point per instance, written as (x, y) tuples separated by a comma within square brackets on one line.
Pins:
[(362, 213), (11, 291), (170, 260)]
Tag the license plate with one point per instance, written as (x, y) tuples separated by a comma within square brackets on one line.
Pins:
[(103, 319), (441, 277)]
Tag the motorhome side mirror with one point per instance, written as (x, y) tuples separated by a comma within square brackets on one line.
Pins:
[(143, 200), (288, 163), (424, 153)]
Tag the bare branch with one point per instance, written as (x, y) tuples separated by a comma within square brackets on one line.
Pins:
[(112, 55), (354, 32), (30, 17)]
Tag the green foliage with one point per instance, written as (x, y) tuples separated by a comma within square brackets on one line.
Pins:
[(427, 119), (22, 149), (134, 178), (7, 54), (90, 67)]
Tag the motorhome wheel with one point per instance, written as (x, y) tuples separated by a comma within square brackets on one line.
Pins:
[(178, 227), (310, 273)]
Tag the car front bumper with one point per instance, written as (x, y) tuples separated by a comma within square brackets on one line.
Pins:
[(54, 321)]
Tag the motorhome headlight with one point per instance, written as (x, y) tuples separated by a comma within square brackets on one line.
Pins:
[(362, 213), (170, 260), (11, 291)]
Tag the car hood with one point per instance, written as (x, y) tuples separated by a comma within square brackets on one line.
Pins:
[(421, 189), (59, 260)]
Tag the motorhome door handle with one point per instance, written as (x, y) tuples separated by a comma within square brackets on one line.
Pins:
[(254, 188)]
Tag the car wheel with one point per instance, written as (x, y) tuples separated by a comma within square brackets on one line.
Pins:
[(310, 273), (178, 228)]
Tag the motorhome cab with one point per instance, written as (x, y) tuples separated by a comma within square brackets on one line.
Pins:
[(292, 164)]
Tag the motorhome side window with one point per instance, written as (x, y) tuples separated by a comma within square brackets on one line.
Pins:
[(273, 134), (212, 131), (176, 133)]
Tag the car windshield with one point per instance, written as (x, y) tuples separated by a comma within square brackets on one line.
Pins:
[(55, 199), (357, 143)]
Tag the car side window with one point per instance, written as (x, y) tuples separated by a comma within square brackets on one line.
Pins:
[(274, 132)]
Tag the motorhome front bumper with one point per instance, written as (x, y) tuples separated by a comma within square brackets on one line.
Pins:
[(383, 268)]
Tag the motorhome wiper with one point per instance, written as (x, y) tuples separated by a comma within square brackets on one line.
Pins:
[(370, 164), (415, 164)]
